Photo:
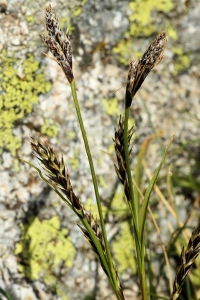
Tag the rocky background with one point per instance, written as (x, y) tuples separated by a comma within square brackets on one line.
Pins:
[(42, 252)]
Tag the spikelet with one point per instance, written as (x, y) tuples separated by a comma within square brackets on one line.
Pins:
[(188, 257), (138, 71), (120, 164), (59, 43), (56, 171)]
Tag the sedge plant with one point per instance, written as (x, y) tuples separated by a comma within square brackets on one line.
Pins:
[(58, 178)]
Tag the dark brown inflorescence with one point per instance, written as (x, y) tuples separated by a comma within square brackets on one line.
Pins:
[(138, 71), (120, 165), (59, 43), (188, 258), (56, 171)]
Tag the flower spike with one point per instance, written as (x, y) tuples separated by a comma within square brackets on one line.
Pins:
[(59, 43), (138, 71)]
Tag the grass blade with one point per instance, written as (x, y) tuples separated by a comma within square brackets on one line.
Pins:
[(143, 210), (5, 294)]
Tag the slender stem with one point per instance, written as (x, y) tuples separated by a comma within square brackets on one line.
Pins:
[(128, 170), (143, 279), (87, 148), (134, 207), (137, 240), (100, 251)]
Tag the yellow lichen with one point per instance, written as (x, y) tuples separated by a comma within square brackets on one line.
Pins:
[(91, 206), (18, 94), (119, 206), (102, 182), (123, 246), (70, 135), (124, 51), (182, 61), (30, 18), (111, 106), (131, 122), (141, 24), (78, 8), (141, 17), (49, 128), (16, 165), (77, 11), (74, 161), (42, 248), (62, 293), (123, 249), (171, 33), (65, 22), (56, 204), (100, 159), (111, 149)]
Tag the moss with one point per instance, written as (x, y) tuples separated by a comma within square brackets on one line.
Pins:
[(42, 248), (182, 61), (18, 94), (141, 25), (111, 107), (49, 128)]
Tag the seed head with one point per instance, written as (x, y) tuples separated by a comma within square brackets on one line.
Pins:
[(188, 257), (138, 71), (59, 43)]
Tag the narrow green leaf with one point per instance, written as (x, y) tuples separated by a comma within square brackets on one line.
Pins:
[(138, 171), (115, 283), (98, 246), (143, 210), (5, 294)]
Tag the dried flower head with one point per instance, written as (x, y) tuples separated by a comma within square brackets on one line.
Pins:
[(188, 257), (56, 171), (59, 43), (138, 71)]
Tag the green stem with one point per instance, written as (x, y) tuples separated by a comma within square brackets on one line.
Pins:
[(134, 207), (102, 255), (143, 279), (87, 148)]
